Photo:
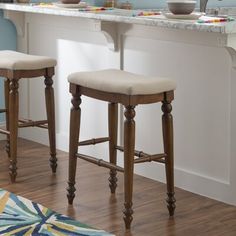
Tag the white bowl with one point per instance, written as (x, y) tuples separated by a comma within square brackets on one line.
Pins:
[(181, 7)]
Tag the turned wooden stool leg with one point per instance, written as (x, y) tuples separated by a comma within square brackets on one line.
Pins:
[(167, 126), (13, 126), (74, 138), (129, 145), (50, 107), (113, 126), (6, 90)]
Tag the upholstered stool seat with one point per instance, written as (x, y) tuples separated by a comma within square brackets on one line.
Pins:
[(118, 81), (15, 66), (19, 61), (130, 90)]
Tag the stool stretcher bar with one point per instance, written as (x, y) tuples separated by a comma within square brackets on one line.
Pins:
[(30, 123), (100, 162), (93, 141), (156, 157), (2, 131), (144, 157)]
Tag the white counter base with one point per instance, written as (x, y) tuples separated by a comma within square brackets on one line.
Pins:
[(205, 103)]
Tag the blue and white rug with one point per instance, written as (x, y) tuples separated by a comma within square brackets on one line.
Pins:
[(22, 217)]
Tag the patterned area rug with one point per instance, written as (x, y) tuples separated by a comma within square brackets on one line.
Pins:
[(21, 217)]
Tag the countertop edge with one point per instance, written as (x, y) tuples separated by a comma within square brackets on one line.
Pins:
[(124, 16)]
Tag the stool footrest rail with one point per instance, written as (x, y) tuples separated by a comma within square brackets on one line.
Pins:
[(99, 162), (23, 123), (3, 131), (144, 157), (93, 141)]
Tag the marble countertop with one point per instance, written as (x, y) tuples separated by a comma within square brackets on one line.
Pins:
[(126, 16)]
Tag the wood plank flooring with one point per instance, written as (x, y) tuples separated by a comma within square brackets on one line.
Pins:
[(94, 205)]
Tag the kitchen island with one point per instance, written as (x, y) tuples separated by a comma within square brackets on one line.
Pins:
[(200, 57)]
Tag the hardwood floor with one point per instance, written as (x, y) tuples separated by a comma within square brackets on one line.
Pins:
[(195, 215)]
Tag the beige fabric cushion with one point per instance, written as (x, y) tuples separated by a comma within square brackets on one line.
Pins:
[(19, 61), (117, 81)]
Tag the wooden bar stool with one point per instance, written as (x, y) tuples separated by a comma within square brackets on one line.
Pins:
[(130, 90), (15, 66)]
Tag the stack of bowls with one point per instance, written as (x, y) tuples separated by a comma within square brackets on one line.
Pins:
[(181, 7)]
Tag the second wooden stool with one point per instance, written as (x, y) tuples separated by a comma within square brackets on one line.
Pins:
[(15, 66)]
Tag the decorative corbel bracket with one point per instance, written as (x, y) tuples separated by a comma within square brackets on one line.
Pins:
[(231, 48), (18, 19), (109, 30)]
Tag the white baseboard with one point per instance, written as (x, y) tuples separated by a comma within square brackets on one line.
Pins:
[(190, 181), (204, 185), (184, 179)]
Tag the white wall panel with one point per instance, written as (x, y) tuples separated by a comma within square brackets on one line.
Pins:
[(201, 113)]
